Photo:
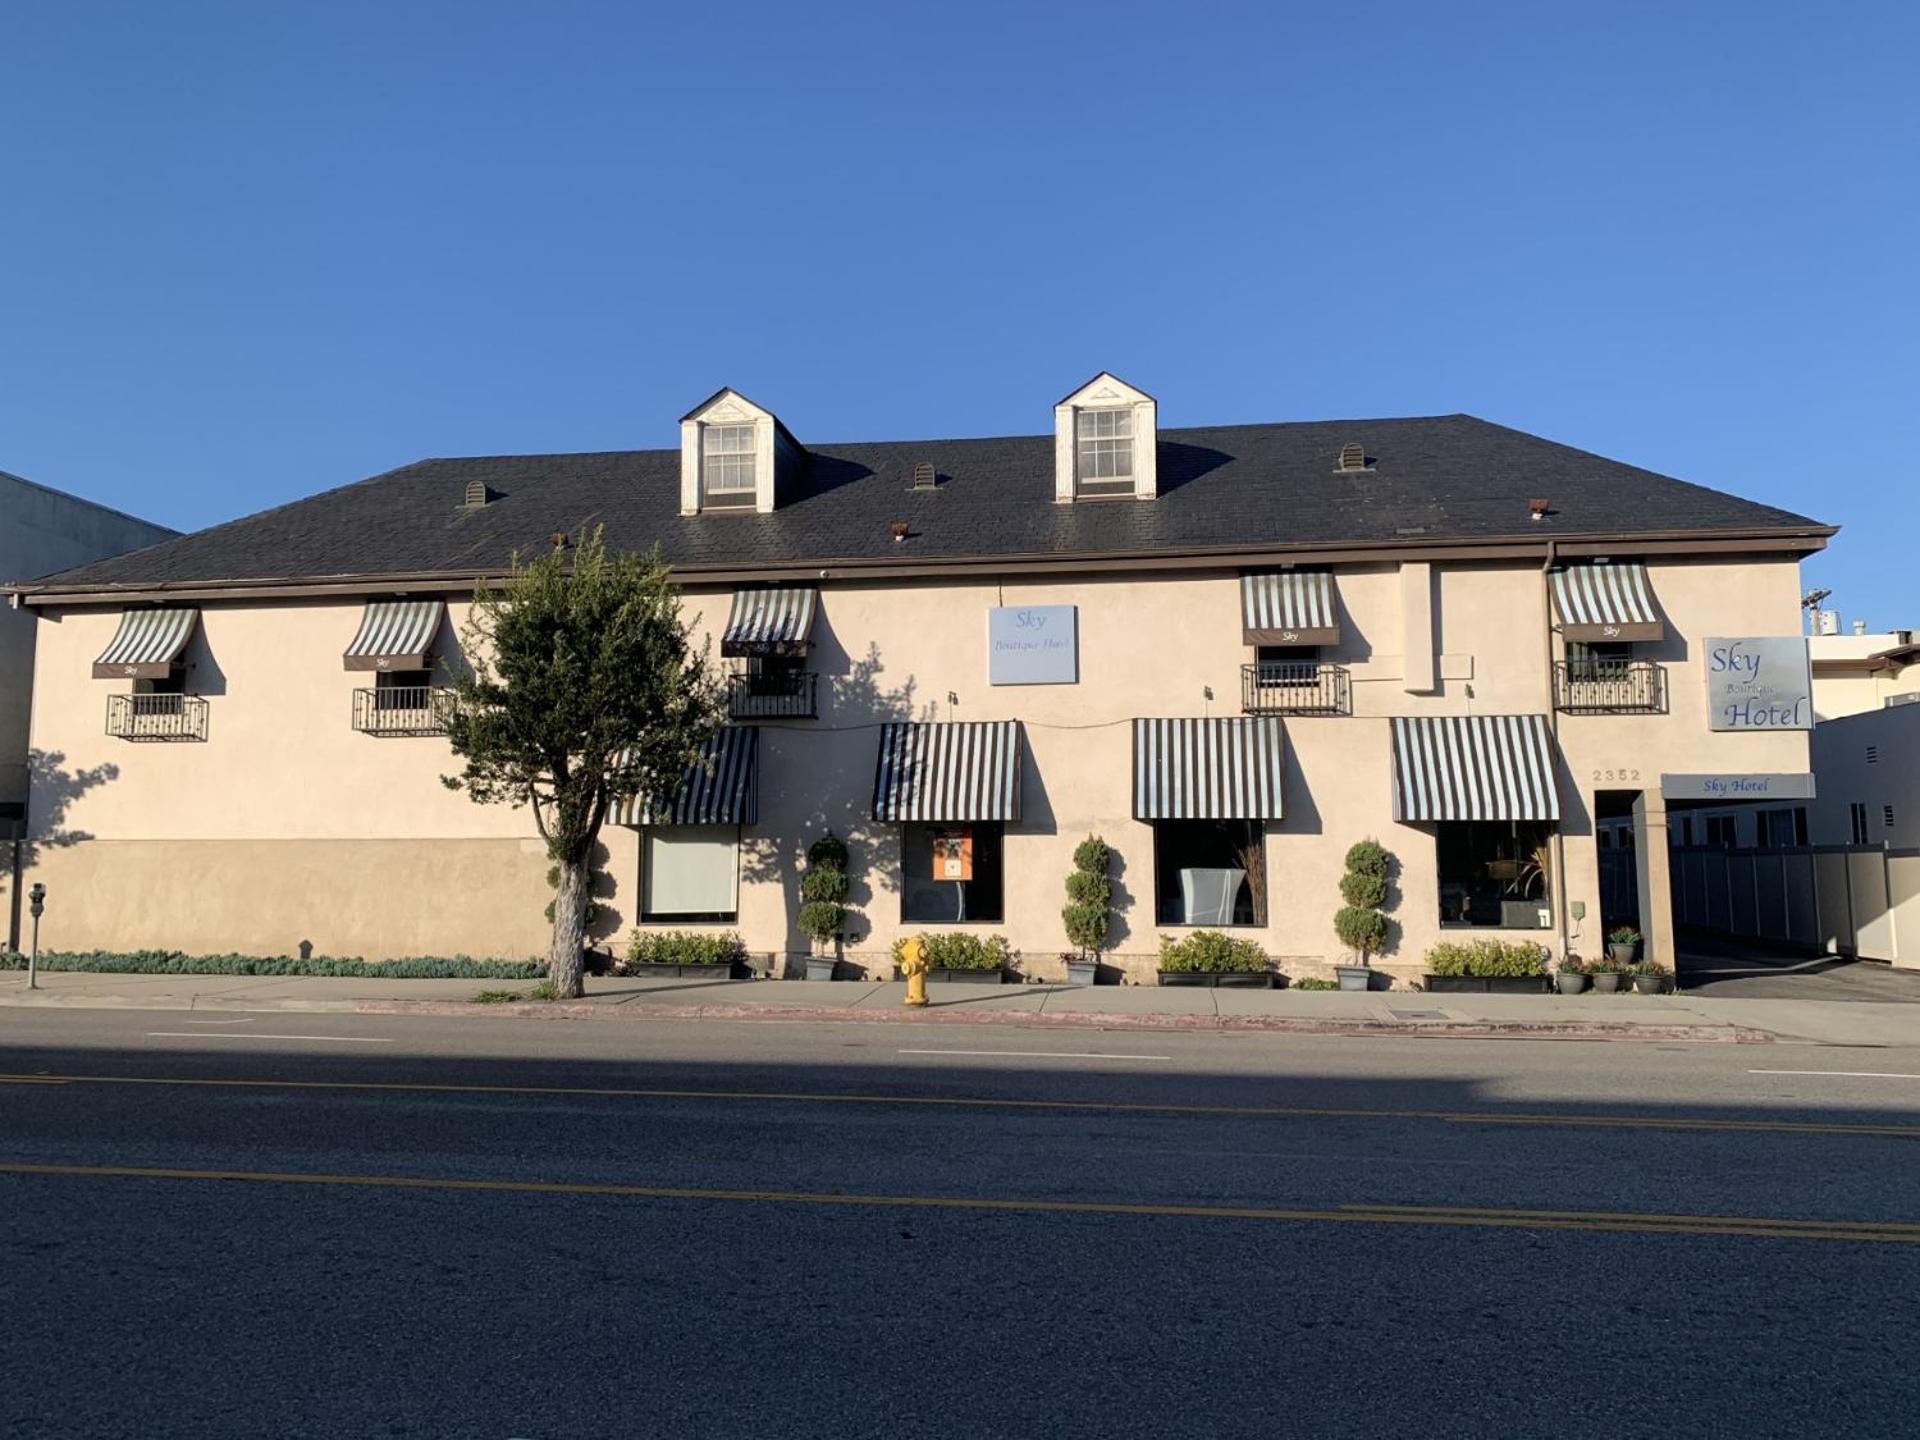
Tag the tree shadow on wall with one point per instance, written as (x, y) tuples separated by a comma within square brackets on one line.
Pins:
[(52, 790), (825, 779)]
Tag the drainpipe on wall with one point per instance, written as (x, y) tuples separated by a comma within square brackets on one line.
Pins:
[(1553, 729)]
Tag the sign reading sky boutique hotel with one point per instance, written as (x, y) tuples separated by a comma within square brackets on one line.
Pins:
[(1033, 645), (1759, 682)]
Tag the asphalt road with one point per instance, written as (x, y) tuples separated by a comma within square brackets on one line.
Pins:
[(358, 1225)]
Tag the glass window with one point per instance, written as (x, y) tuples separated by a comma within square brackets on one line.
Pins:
[(727, 458), (1781, 828), (952, 874), (1287, 664), (1104, 447), (1857, 822), (690, 872), (401, 689), (1495, 873), (1210, 872), (1720, 831), (174, 682), (1597, 660)]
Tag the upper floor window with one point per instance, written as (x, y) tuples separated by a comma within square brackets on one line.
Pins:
[(1104, 450), (727, 457)]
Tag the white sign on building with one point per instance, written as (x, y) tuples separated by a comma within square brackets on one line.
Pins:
[(1033, 645), (1759, 682)]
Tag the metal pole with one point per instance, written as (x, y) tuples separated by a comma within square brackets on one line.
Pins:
[(37, 895)]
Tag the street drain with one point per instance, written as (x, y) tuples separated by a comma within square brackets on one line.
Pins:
[(1419, 1014)]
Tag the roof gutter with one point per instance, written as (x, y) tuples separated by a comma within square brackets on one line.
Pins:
[(1795, 540)]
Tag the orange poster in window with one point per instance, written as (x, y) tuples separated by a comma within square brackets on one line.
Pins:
[(953, 855)]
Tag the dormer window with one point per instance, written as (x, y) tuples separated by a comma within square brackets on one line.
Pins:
[(727, 454), (1104, 452), (1105, 442)]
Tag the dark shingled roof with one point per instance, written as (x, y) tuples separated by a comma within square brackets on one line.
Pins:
[(1447, 477)]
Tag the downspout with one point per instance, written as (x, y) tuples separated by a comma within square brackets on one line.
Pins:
[(1553, 729)]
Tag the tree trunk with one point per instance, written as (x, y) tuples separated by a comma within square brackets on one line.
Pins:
[(564, 955)]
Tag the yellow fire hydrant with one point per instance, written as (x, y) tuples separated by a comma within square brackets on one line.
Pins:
[(913, 965)]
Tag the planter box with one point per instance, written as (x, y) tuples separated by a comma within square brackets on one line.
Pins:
[(1220, 979), (966, 977), (1088, 974), (1487, 984), (822, 967), (1354, 977), (721, 971)]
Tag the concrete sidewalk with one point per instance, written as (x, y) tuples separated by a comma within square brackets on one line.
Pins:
[(1399, 1013)]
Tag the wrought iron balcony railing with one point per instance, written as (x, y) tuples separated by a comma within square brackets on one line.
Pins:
[(402, 710), (1294, 687), (778, 695), (1609, 687), (157, 717)]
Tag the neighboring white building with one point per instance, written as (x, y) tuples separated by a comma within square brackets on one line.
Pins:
[(1859, 672), (1867, 769)]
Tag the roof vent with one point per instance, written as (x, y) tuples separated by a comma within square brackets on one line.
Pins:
[(1539, 509), (924, 476), (477, 494), (899, 529), (1352, 457)]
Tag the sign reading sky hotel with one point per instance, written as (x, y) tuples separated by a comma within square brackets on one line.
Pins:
[(1737, 787), (1759, 682), (1033, 645)]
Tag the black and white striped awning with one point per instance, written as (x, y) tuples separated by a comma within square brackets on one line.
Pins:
[(1605, 602), (770, 622), (1227, 769), (396, 635), (722, 787), (1292, 608), (964, 770), (147, 645), (1474, 767)]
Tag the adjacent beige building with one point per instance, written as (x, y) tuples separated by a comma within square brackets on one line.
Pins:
[(1230, 651)]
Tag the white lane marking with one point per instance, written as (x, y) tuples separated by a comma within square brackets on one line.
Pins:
[(1041, 1054), (257, 1035), (247, 1021), (1849, 1074)]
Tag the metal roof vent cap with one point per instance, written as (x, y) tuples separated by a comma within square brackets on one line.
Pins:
[(925, 477), (1353, 457)]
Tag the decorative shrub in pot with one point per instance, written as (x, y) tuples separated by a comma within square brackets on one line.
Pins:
[(1358, 923), (1623, 944), (1649, 978), (1488, 965), (1206, 957), (691, 953), (1608, 974), (956, 957), (1570, 976), (823, 907), (1087, 915)]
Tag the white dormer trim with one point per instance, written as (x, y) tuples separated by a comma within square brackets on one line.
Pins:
[(773, 450), (1106, 391)]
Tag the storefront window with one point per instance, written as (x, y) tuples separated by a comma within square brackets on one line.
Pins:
[(1210, 872), (690, 872), (952, 874), (1495, 873)]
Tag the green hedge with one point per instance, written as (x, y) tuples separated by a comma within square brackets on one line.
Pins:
[(175, 962), (1488, 958), (957, 950), (684, 947), (1211, 952)]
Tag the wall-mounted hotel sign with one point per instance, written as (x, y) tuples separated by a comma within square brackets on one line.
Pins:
[(1033, 645), (1736, 787), (1759, 682)]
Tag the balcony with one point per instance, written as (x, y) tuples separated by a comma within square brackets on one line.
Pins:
[(1614, 687), (1294, 687), (402, 710), (157, 717), (777, 695)]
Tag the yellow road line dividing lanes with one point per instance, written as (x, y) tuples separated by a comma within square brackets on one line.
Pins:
[(1628, 1222), (1111, 1107)]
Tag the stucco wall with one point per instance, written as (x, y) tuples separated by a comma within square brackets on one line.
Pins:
[(281, 764)]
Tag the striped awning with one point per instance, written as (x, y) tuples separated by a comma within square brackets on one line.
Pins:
[(396, 635), (1605, 602), (147, 645), (1226, 769), (1473, 767), (722, 787), (965, 770), (1292, 608), (770, 622)]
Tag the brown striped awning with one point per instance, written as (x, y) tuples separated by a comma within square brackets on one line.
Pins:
[(1605, 602), (1292, 608), (722, 787), (1473, 767), (147, 645), (963, 770), (1227, 769), (396, 635), (775, 621)]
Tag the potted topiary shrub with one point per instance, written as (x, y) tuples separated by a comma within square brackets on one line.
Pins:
[(1649, 978), (1488, 966), (823, 907), (690, 954), (1359, 923), (1608, 974), (1570, 975), (1623, 944), (1086, 915), (957, 958), (1206, 957)]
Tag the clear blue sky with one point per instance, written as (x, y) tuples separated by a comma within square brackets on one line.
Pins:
[(254, 250)]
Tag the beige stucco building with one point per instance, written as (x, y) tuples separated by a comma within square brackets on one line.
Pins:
[(1231, 652)]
